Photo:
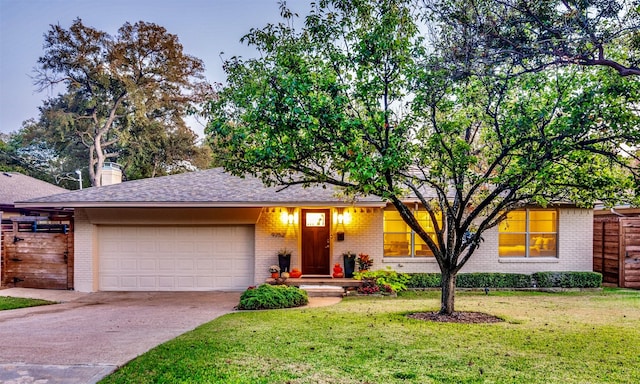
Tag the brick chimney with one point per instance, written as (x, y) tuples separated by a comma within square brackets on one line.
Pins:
[(111, 174)]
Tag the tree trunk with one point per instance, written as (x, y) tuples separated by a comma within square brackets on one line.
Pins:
[(448, 292)]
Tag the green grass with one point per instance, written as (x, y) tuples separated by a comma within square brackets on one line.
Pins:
[(546, 338), (17, 302)]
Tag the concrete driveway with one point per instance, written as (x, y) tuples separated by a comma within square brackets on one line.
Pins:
[(90, 335)]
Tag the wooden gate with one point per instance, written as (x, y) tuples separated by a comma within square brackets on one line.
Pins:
[(38, 255), (616, 250)]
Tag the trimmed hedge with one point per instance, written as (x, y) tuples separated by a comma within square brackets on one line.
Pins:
[(568, 279), (493, 280), (269, 296), (510, 280)]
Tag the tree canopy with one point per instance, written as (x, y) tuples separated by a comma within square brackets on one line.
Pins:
[(363, 97), (124, 94), (534, 35)]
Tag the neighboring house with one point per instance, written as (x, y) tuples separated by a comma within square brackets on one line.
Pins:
[(36, 243), (209, 230)]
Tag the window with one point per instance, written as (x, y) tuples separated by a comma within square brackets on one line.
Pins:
[(529, 233), (315, 219), (400, 240)]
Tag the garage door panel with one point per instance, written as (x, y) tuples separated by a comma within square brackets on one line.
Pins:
[(176, 258)]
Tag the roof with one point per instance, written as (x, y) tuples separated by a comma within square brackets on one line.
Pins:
[(15, 186), (209, 188)]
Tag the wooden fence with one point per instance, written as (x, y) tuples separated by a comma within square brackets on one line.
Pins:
[(38, 255), (616, 250)]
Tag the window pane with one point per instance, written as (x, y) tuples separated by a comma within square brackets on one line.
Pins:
[(397, 244), (516, 221), (543, 245), (422, 249), (425, 221), (315, 219), (542, 221), (393, 222), (512, 245)]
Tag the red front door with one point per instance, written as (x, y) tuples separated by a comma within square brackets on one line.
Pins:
[(316, 232)]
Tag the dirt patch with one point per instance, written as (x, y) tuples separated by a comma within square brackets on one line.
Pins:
[(457, 317)]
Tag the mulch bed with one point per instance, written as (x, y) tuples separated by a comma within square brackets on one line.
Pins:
[(457, 317)]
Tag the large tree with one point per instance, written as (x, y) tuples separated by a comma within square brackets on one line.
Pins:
[(358, 98), (138, 78)]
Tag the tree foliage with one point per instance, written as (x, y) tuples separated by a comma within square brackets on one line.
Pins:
[(360, 98), (534, 35), (35, 159), (138, 82)]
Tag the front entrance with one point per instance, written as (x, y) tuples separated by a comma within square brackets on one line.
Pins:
[(316, 231)]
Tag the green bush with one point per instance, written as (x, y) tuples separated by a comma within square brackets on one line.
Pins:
[(568, 279), (510, 280), (269, 296), (387, 279), (493, 280), (424, 280)]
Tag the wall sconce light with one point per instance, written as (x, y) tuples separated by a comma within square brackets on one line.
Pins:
[(289, 216), (340, 216)]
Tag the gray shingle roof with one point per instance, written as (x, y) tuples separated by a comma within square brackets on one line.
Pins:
[(209, 188), (15, 186)]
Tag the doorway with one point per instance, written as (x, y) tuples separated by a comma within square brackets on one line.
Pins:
[(316, 241)]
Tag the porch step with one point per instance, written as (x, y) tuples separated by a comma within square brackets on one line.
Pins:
[(323, 290)]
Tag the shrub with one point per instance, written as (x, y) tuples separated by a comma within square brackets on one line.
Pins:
[(364, 262), (387, 279), (493, 280), (568, 279), (424, 280), (510, 280), (269, 296), (368, 287)]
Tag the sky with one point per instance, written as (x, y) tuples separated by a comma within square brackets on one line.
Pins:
[(204, 27)]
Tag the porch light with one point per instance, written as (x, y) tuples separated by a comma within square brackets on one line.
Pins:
[(342, 216), (284, 216), (289, 216), (346, 217)]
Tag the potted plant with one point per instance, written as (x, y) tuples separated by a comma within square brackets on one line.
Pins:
[(349, 259), (275, 271), (284, 259), (364, 262)]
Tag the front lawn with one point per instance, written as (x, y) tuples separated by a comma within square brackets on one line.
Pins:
[(545, 338), (18, 302)]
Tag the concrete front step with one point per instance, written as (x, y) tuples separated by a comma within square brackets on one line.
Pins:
[(323, 290)]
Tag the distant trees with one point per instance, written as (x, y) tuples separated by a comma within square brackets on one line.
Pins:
[(125, 99)]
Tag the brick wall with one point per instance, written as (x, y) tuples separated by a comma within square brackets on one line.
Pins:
[(85, 243), (271, 235), (362, 234)]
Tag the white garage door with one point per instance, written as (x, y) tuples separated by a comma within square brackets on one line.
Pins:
[(146, 258)]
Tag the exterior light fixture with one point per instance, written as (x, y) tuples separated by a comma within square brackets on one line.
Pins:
[(288, 216)]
